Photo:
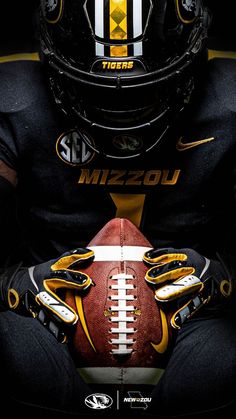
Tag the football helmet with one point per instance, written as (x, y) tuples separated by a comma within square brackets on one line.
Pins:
[(123, 69)]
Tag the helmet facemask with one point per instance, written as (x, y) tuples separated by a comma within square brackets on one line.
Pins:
[(123, 103)]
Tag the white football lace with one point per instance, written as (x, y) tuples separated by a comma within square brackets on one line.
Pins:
[(123, 314)]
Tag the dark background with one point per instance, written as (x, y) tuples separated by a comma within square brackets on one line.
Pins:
[(17, 24)]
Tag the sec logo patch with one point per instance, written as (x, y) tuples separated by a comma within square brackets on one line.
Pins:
[(72, 150)]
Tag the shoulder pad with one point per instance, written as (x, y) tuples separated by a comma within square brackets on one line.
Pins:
[(20, 80)]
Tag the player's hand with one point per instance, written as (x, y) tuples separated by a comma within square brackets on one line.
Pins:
[(187, 280), (40, 290)]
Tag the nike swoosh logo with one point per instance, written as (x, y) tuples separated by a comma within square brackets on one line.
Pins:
[(162, 346), (80, 310), (180, 146)]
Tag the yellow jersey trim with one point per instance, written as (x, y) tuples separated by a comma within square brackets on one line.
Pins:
[(34, 56), (26, 56), (220, 54)]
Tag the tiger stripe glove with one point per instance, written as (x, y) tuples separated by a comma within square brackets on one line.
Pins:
[(39, 290), (187, 280)]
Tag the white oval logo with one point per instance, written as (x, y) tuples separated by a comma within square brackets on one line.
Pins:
[(72, 149), (98, 401)]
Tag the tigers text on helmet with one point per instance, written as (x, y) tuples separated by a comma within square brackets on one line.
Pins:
[(122, 69)]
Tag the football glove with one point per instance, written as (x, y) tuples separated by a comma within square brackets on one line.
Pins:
[(39, 290), (186, 280)]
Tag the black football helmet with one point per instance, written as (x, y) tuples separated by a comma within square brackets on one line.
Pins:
[(123, 69)]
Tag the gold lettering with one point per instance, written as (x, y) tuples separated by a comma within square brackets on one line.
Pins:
[(173, 180), (134, 175), (103, 180), (152, 177), (87, 178), (116, 177), (128, 177), (117, 65)]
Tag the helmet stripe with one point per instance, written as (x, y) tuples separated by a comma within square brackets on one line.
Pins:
[(138, 49), (137, 26), (137, 18), (118, 26), (99, 26), (119, 21), (99, 18)]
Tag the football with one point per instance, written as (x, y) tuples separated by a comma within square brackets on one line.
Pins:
[(122, 334)]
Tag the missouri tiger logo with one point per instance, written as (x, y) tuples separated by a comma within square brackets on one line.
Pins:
[(187, 10), (53, 10)]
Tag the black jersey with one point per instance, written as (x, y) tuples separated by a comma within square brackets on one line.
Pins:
[(180, 194)]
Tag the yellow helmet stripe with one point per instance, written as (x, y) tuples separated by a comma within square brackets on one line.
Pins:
[(118, 19), (118, 26)]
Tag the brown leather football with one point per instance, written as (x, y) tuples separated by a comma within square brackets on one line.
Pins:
[(121, 334)]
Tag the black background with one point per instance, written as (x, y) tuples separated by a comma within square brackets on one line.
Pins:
[(17, 24)]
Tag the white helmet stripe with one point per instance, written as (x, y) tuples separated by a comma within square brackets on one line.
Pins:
[(99, 49), (137, 18), (137, 27), (99, 25), (99, 18), (138, 48)]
